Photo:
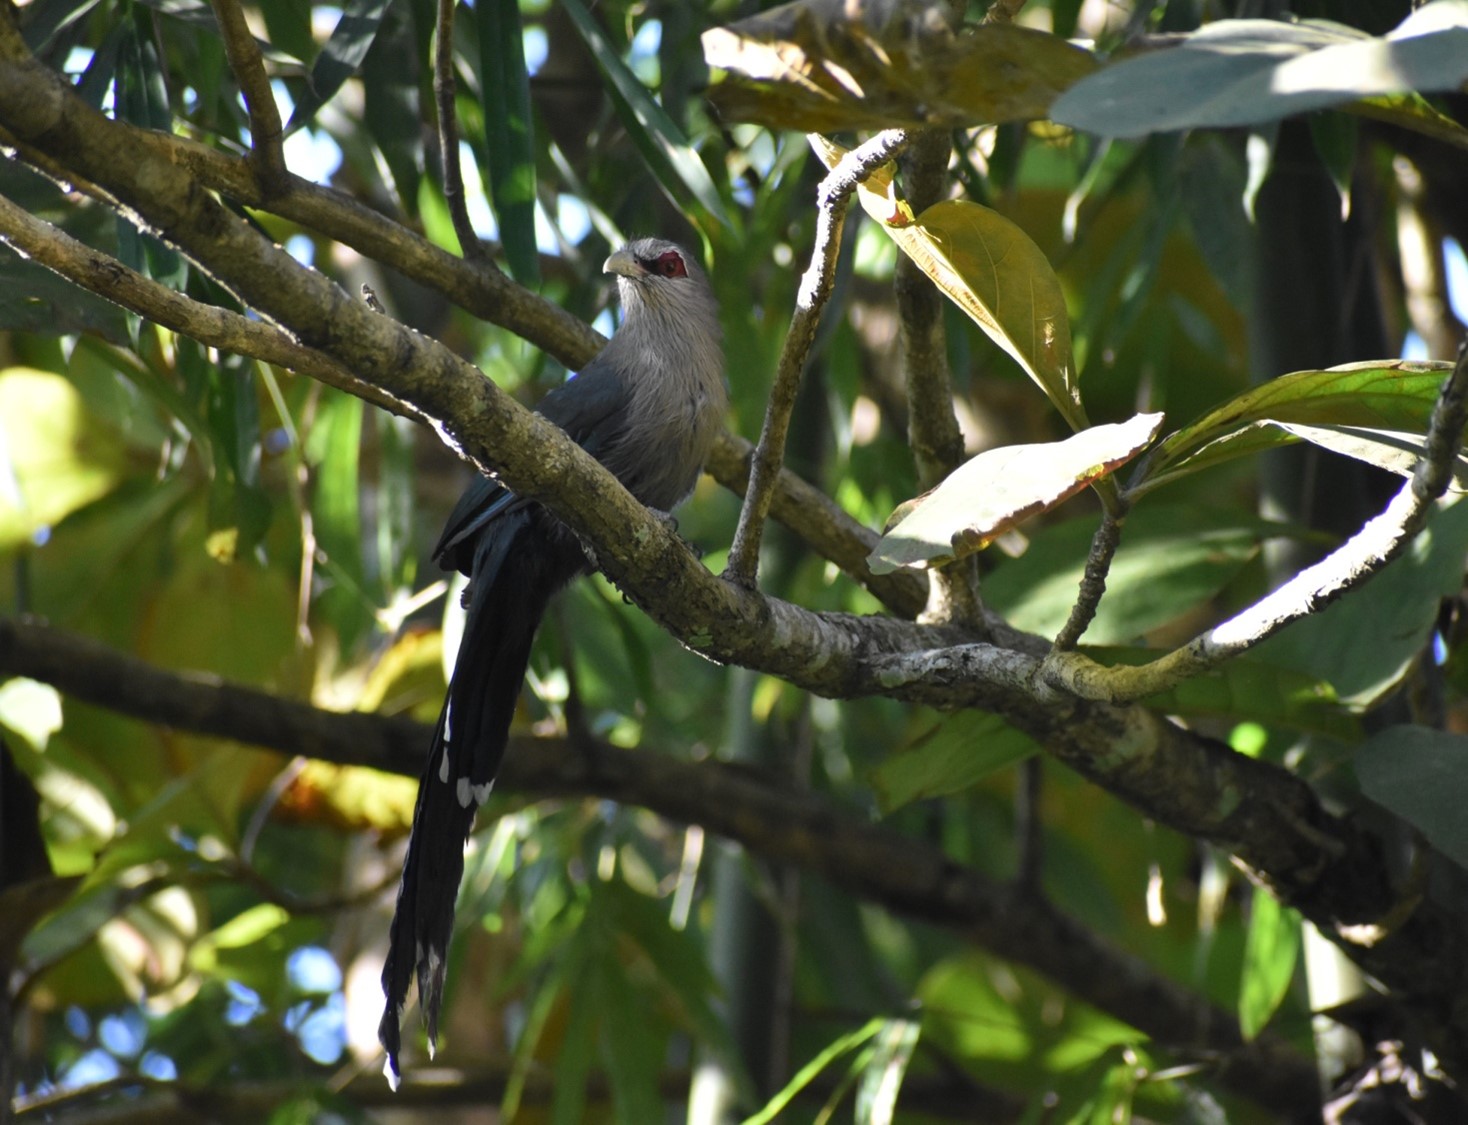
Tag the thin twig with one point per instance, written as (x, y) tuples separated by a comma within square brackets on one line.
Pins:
[(1093, 582), (833, 198), (1029, 828), (1352, 565), (267, 156), (209, 324), (448, 135)]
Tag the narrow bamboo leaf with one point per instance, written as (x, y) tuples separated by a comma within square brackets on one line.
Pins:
[(1245, 72), (995, 491), (509, 134), (803, 1078), (1385, 394), (672, 159), (991, 269), (824, 66), (350, 41), (956, 755), (1418, 773), (881, 1080), (1270, 953)]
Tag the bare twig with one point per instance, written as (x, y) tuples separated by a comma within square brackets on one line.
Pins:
[(1003, 11), (448, 135), (266, 133), (1352, 565), (1093, 582), (815, 290)]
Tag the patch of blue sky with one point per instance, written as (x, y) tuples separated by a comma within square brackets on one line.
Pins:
[(313, 969), (123, 1034), (93, 1067), (643, 53)]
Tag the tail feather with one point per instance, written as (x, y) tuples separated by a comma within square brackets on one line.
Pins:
[(518, 565)]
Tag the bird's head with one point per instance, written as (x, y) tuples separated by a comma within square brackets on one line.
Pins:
[(657, 276)]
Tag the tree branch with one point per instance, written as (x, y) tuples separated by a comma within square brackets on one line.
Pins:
[(905, 875), (833, 198), (1331, 870), (448, 136), (267, 156)]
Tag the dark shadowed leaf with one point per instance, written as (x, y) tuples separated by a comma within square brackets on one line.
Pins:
[(509, 134), (1420, 774), (1242, 72), (996, 490), (825, 66)]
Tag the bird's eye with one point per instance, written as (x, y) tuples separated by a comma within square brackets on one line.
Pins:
[(669, 264)]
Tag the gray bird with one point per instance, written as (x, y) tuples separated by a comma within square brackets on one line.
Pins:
[(648, 407)]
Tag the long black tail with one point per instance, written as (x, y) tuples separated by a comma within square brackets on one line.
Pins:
[(519, 562)]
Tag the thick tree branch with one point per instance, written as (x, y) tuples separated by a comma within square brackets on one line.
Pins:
[(905, 875), (833, 198), (1273, 822)]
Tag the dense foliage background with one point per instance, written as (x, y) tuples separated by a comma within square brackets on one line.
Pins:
[(206, 941)]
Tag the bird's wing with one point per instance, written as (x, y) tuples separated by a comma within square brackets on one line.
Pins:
[(587, 408)]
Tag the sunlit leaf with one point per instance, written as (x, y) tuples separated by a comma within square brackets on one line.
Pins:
[(996, 490), (1392, 395), (1242, 72), (1392, 450), (825, 66), (991, 269), (1419, 774), (1270, 955), (54, 457)]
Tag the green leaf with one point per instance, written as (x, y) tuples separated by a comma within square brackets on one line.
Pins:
[(1419, 774), (988, 267), (818, 67), (1397, 610), (509, 134), (1392, 450), (993, 492), (958, 753), (1270, 953), (1244, 72), (808, 1073), (1381, 394), (662, 143), (881, 1080), (55, 458), (350, 41)]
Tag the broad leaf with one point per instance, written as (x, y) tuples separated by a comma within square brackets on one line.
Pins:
[(996, 490), (1393, 395), (1392, 450), (1420, 774), (957, 754), (1243, 72), (825, 66), (1270, 954)]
